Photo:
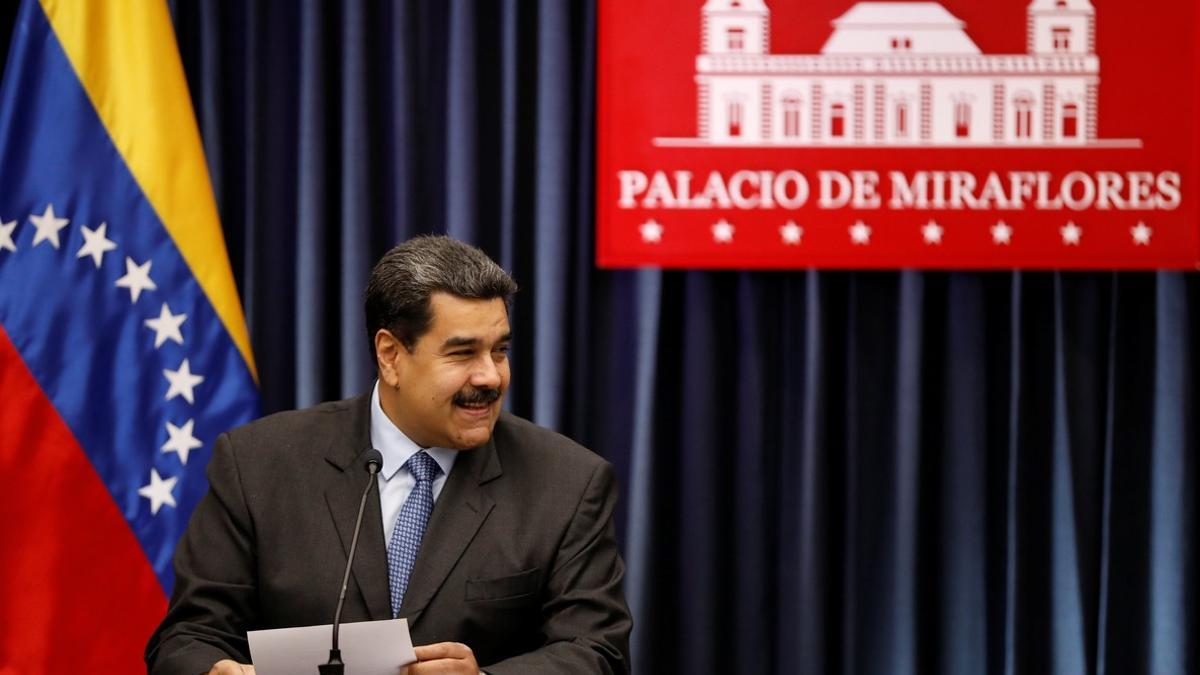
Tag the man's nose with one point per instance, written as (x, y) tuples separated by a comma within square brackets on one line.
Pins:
[(486, 374)]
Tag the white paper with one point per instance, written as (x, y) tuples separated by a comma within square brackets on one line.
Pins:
[(368, 648)]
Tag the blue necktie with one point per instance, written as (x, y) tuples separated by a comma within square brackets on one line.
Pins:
[(410, 526)]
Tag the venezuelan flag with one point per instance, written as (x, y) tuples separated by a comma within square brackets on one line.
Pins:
[(123, 348)]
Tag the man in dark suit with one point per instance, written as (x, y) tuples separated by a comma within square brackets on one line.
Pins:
[(491, 535)]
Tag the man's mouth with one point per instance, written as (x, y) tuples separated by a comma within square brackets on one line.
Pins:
[(477, 400)]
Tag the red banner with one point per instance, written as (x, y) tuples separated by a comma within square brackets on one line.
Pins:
[(953, 134)]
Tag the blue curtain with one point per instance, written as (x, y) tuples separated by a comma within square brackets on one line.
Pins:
[(822, 472)]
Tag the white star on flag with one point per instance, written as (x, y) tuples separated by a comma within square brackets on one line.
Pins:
[(47, 226), (137, 278), (860, 233), (791, 233), (6, 240), (722, 232), (182, 382), (1141, 234), (166, 326), (158, 492), (95, 244), (651, 231), (1071, 234), (181, 440), (1002, 233), (932, 232)]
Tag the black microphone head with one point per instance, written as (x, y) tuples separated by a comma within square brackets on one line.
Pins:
[(374, 461)]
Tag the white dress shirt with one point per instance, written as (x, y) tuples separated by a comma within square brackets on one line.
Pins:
[(394, 484)]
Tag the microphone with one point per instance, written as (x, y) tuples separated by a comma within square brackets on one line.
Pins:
[(335, 666)]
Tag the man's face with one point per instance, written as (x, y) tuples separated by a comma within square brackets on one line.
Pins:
[(447, 392)]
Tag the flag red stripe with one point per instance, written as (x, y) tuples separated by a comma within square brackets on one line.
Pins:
[(79, 594)]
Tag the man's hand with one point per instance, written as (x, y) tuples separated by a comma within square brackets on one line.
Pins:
[(227, 667), (443, 657)]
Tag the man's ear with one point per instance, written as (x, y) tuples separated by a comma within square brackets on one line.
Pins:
[(389, 356)]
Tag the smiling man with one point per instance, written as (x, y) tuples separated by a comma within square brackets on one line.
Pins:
[(492, 536)]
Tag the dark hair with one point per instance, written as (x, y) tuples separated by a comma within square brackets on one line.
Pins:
[(405, 277)]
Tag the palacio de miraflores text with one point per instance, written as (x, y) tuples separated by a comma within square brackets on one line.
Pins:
[(900, 190)]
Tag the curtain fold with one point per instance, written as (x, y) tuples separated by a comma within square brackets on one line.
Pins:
[(1066, 573), (312, 272), (804, 574), (1172, 592), (357, 207), (962, 507)]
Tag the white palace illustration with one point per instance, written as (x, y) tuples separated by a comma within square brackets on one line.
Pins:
[(898, 74)]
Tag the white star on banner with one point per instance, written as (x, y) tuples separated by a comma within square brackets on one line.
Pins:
[(1141, 234), (182, 382), (1002, 233), (137, 278), (932, 232), (6, 240), (95, 244), (181, 440), (651, 231), (722, 232), (791, 233), (860, 233), (1071, 234), (47, 226), (166, 326), (158, 492)]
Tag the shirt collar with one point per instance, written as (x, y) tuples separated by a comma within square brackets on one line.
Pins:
[(395, 447)]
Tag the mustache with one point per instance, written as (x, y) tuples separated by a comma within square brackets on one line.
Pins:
[(477, 396)]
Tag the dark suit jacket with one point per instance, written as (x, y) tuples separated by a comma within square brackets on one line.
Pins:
[(519, 560)]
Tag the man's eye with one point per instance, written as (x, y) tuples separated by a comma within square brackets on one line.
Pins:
[(461, 352), (501, 350)]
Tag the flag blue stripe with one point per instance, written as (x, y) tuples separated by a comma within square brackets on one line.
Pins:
[(78, 333)]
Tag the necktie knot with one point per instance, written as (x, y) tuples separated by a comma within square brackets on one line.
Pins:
[(423, 467)]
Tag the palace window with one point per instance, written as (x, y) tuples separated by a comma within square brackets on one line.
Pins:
[(902, 119), (1062, 38), (901, 44), (735, 118), (791, 115), (962, 119), (1024, 116), (1070, 121), (837, 120), (737, 39)]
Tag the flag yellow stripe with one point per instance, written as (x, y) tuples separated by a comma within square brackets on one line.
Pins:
[(125, 55)]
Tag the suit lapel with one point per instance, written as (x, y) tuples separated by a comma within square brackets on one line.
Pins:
[(343, 491), (461, 509)]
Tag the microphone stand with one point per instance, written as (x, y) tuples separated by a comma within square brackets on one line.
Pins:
[(335, 666)]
